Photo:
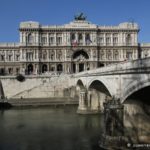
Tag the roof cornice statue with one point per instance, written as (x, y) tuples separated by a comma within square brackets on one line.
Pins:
[(79, 17)]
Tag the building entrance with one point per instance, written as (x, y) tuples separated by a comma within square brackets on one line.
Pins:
[(80, 59)]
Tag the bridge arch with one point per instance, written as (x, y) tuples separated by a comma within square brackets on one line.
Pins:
[(104, 83), (134, 87), (80, 85), (97, 94)]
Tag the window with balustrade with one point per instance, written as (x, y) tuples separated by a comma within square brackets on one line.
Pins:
[(51, 40), (59, 40), (108, 41), (43, 40), (115, 39), (29, 56)]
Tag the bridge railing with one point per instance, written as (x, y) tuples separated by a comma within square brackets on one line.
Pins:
[(126, 65)]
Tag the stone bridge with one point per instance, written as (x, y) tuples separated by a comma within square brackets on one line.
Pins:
[(118, 80), (92, 87)]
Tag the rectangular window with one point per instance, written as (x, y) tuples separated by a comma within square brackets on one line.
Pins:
[(29, 56), (129, 55), (51, 40), (17, 57), (108, 41), (2, 57), (9, 57), (44, 40), (101, 40), (59, 40), (115, 40)]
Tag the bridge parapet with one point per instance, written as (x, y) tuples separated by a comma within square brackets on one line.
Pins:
[(139, 65)]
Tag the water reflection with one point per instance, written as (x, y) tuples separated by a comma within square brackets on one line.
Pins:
[(62, 129), (49, 128)]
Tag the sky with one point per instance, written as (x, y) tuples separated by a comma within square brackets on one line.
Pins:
[(59, 12)]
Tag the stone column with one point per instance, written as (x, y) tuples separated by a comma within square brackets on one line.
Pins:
[(104, 38), (24, 38), (20, 37), (76, 37), (111, 39), (89, 98), (47, 38), (85, 67), (77, 67), (82, 104), (37, 38), (84, 39), (55, 38)]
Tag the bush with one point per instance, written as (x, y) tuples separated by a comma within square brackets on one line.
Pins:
[(20, 78)]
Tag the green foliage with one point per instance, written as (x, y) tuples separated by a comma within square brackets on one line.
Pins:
[(20, 78)]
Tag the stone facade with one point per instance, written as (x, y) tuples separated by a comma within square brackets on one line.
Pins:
[(70, 48)]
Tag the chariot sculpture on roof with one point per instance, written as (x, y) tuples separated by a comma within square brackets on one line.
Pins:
[(80, 16)]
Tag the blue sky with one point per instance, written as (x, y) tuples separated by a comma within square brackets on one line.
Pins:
[(47, 12)]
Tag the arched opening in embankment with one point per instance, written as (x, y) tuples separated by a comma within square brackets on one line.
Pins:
[(79, 86), (97, 95)]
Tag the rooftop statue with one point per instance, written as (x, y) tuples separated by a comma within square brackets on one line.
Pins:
[(80, 16)]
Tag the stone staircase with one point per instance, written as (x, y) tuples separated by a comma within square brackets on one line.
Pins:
[(51, 88)]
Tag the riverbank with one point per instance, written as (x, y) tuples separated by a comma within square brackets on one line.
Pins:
[(53, 101)]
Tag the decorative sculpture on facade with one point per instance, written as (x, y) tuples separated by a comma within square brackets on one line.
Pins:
[(80, 16)]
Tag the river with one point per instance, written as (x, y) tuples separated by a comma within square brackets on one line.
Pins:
[(48, 128), (61, 128)]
